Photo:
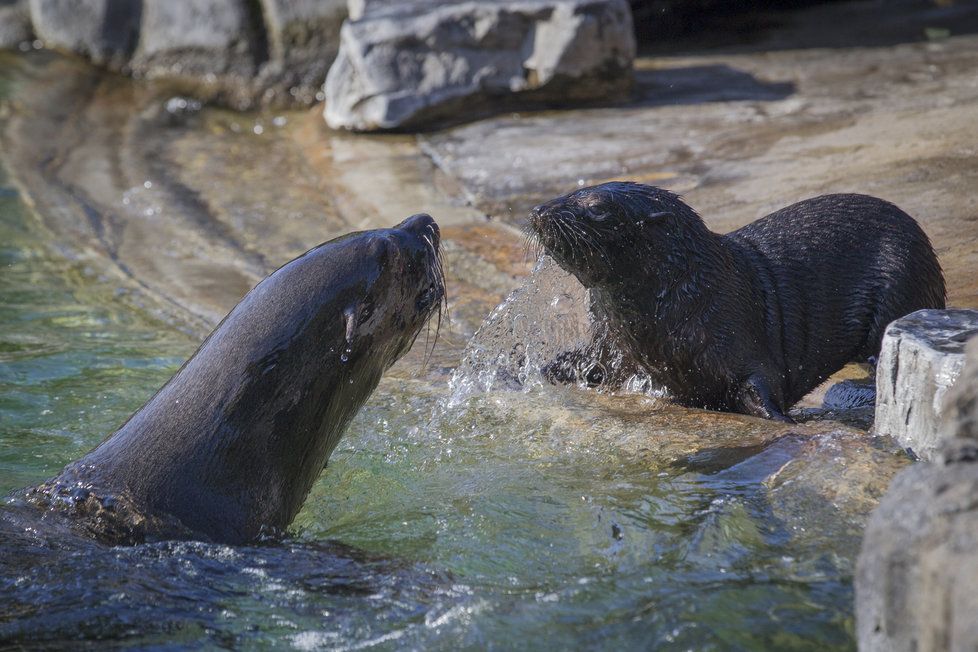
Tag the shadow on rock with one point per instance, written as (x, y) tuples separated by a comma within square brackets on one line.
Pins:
[(701, 84)]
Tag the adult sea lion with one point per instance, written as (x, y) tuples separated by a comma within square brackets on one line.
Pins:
[(747, 322), (229, 448)]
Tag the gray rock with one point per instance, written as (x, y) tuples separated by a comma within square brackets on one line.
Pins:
[(103, 30), (412, 64), (303, 39), (918, 567), (196, 38), (921, 357), (15, 23), (961, 405)]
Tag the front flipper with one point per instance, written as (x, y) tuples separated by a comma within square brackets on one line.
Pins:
[(756, 398)]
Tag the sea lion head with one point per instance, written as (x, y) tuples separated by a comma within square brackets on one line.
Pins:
[(403, 286), (608, 232)]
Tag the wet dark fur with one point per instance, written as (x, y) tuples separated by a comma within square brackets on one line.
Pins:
[(229, 448), (750, 321)]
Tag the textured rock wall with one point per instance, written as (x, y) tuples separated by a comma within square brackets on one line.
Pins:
[(917, 574), (920, 359)]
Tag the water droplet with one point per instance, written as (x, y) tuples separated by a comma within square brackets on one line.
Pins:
[(147, 184), (344, 357), (580, 183), (259, 130)]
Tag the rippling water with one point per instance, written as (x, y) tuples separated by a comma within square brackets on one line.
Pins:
[(529, 519)]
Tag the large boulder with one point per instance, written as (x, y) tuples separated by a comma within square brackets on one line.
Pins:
[(15, 23), (917, 573), (412, 64), (103, 30), (921, 357)]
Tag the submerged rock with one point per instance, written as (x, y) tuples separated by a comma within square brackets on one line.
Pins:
[(917, 572), (15, 23), (921, 357), (408, 65)]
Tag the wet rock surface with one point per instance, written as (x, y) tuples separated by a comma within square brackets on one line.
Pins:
[(743, 132), (408, 65), (917, 572), (920, 360)]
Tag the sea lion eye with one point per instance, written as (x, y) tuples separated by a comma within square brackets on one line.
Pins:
[(600, 216)]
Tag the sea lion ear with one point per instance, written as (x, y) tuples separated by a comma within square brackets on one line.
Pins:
[(350, 320)]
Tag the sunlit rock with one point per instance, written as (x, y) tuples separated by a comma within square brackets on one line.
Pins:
[(103, 30), (921, 357), (15, 24), (918, 569), (405, 65)]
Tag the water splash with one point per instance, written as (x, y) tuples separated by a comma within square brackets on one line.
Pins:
[(548, 315)]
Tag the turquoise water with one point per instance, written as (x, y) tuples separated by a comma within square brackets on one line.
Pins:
[(74, 361)]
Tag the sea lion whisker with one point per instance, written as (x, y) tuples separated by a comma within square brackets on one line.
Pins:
[(531, 244), (588, 239)]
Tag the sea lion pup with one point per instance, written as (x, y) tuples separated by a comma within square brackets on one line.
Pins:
[(229, 448), (746, 322)]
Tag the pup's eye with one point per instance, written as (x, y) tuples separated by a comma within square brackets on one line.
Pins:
[(428, 298)]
